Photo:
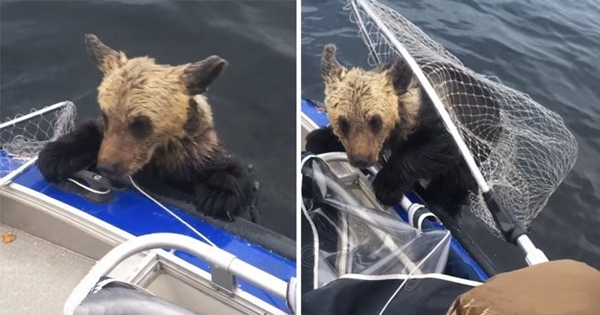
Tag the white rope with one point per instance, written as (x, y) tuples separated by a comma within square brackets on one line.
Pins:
[(99, 192), (438, 276), (171, 213), (411, 272), (315, 234)]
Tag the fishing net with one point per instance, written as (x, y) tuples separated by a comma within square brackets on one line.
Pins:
[(23, 137), (523, 150)]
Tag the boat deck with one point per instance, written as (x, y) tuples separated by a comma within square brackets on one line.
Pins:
[(36, 275), (56, 246)]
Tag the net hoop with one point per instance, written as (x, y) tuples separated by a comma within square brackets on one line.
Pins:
[(535, 151)]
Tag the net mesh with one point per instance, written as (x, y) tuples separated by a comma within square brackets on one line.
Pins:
[(23, 136), (523, 150)]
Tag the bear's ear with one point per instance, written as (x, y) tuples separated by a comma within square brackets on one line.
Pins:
[(400, 75), (330, 68), (106, 58), (198, 76)]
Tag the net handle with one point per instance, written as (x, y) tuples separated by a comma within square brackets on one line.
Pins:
[(506, 221), (7, 179), (33, 114)]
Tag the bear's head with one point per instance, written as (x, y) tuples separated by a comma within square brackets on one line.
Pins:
[(145, 105), (366, 107)]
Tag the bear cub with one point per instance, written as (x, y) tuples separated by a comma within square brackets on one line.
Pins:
[(386, 111), (155, 123)]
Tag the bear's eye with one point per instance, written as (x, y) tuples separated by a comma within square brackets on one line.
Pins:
[(141, 127), (344, 125), (375, 123)]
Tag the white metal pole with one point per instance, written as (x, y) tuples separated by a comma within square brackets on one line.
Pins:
[(439, 106), (10, 176), (525, 242), (33, 114), (214, 256)]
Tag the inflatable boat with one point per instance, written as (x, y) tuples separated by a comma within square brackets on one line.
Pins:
[(86, 246)]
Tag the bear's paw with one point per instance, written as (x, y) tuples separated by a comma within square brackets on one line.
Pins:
[(224, 195), (323, 140), (56, 162), (389, 187)]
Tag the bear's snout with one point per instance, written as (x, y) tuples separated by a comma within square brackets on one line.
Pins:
[(110, 169), (119, 155), (361, 161), (362, 150), (112, 164)]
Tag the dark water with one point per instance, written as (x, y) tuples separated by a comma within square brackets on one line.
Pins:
[(43, 61), (548, 49)]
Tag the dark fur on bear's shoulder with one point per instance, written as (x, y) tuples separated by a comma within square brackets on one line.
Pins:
[(221, 186), (428, 153), (323, 140), (420, 145)]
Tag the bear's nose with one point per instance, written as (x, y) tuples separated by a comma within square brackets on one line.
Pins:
[(108, 168), (359, 161)]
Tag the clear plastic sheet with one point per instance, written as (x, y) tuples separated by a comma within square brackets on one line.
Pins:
[(354, 239)]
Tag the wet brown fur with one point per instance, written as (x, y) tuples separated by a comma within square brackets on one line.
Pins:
[(155, 122), (139, 86), (411, 131), (357, 95)]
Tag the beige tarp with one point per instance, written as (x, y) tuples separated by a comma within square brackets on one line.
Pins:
[(563, 287)]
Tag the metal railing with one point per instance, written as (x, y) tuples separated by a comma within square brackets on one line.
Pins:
[(222, 264)]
